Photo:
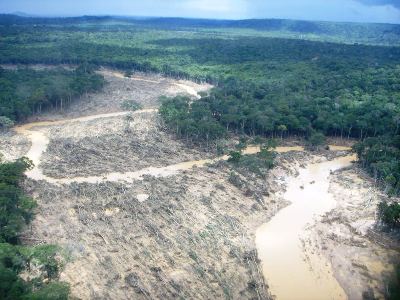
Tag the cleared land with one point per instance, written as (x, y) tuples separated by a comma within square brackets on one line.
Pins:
[(188, 235)]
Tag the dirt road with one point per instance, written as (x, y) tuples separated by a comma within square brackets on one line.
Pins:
[(143, 215)]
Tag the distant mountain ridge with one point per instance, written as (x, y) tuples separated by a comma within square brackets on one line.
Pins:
[(22, 14), (378, 33)]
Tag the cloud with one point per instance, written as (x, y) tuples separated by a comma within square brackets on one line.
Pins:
[(384, 11), (395, 3), (213, 8), (328, 10)]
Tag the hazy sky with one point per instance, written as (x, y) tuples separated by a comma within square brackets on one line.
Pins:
[(387, 11)]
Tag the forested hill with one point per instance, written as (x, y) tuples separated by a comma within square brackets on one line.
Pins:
[(366, 33), (272, 77)]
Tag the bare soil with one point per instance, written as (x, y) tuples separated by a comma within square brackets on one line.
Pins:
[(143, 88), (13, 146), (114, 145), (362, 264), (193, 237), (181, 236), (189, 235)]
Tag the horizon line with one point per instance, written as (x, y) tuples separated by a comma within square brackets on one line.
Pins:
[(46, 16)]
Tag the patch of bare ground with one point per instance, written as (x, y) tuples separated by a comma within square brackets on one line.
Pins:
[(13, 146), (118, 144), (186, 236), (145, 89), (361, 264), (189, 235)]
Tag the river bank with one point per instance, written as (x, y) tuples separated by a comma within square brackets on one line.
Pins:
[(346, 236), (279, 242), (143, 215)]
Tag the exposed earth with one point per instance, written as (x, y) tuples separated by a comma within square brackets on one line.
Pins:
[(184, 234)]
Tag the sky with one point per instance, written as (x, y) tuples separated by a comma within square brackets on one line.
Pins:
[(378, 11)]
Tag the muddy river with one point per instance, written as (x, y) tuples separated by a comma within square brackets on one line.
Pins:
[(290, 273)]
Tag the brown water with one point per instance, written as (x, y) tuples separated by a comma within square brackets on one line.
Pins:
[(40, 143), (288, 272), (291, 275)]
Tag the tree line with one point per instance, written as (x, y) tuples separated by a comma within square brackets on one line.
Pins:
[(363, 106), (25, 91), (273, 87)]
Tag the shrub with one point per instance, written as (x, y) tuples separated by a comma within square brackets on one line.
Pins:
[(235, 156), (131, 105), (6, 123), (128, 73), (316, 140), (242, 144), (389, 214), (235, 180)]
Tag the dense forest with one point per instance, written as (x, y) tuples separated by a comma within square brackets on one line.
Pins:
[(382, 34), (273, 78), (17, 210), (342, 103), (25, 91), (195, 54)]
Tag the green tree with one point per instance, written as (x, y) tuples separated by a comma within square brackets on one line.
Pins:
[(235, 156), (15, 213), (316, 140), (389, 214), (17, 209), (5, 123)]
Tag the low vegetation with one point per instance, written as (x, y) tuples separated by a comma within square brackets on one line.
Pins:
[(131, 105)]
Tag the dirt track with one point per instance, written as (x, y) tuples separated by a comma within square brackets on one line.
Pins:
[(188, 235), (153, 238)]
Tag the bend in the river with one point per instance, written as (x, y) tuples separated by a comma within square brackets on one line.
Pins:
[(278, 241), (291, 271)]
